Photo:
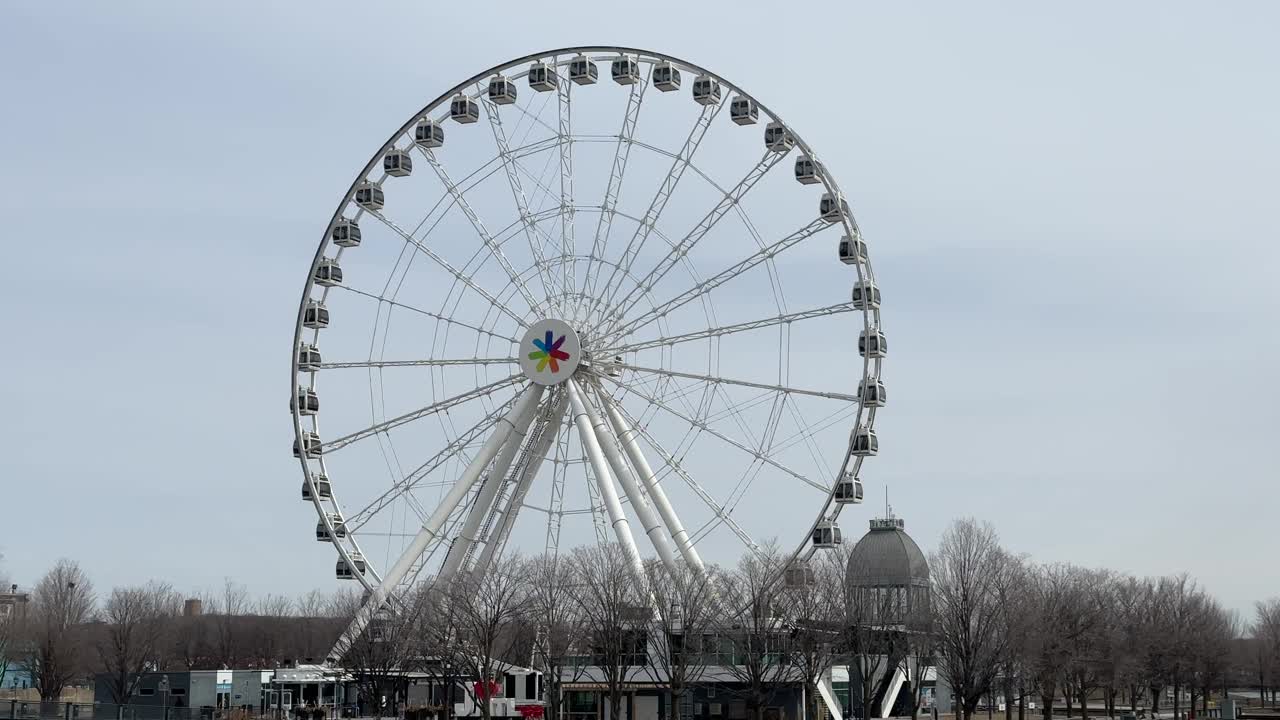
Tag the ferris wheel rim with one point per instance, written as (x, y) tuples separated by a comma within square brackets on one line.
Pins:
[(865, 415)]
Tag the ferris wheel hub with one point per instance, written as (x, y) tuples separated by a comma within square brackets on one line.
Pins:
[(550, 352)]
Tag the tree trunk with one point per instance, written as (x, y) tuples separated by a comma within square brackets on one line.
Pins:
[(676, 694), (1177, 700), (1022, 703), (1084, 702), (1066, 695)]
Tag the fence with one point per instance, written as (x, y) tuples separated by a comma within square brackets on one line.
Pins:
[(20, 710)]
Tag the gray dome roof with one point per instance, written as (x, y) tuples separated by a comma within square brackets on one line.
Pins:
[(887, 556)]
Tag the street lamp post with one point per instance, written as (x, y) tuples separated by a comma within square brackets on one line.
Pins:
[(164, 694)]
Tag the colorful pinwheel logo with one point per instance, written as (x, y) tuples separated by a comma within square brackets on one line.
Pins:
[(548, 353)]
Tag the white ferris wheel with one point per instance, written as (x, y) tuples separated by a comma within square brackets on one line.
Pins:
[(596, 294)]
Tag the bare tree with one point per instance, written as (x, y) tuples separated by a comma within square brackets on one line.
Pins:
[(616, 615), (968, 571), (227, 629), (266, 630), (687, 610), (752, 644), (489, 611), (61, 605), (1266, 645), (558, 619), (317, 629), (815, 618), (136, 623), (11, 625), (389, 647)]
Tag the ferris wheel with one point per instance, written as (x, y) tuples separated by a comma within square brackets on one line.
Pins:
[(596, 294)]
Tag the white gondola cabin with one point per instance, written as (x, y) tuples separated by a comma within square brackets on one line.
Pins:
[(583, 71), (626, 71), (807, 170), (666, 77), (542, 77), (706, 91), (369, 196), (346, 572), (339, 530), (872, 393), (875, 346), (864, 442), (615, 367), (799, 574), (778, 138), (308, 358), (865, 295), (848, 490), (428, 133), (345, 233), (310, 445), (832, 208), (397, 163), (743, 111), (315, 316), (852, 250), (328, 273), (501, 90), (464, 110), (827, 535), (320, 482), (305, 401)]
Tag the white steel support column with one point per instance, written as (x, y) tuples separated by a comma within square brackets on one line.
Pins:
[(628, 438), (498, 537), (605, 481), (648, 519), (484, 499), (526, 405)]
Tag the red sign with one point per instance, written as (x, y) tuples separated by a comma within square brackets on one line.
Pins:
[(530, 712)]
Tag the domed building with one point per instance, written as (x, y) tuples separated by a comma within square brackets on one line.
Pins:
[(888, 596), (888, 576)]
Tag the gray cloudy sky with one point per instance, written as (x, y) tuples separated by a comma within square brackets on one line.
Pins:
[(1073, 212)]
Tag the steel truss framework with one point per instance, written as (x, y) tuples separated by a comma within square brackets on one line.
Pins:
[(615, 443)]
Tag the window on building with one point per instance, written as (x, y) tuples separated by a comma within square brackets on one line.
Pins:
[(146, 692)]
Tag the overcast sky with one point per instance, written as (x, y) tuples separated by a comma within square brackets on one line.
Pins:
[(1073, 211)]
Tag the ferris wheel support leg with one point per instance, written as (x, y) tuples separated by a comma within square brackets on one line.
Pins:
[(627, 436), (431, 528), (494, 544), (488, 491), (648, 519), (604, 480)]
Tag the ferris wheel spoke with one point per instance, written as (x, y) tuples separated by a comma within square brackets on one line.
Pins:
[(707, 428), (413, 480), (621, 153), (564, 116), (435, 316), (718, 380), (449, 268), (724, 276), (675, 466), (480, 229), (659, 202), (427, 411), (517, 191), (731, 329), (681, 248), (416, 363)]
